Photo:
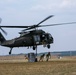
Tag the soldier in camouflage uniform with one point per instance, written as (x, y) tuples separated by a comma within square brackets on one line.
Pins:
[(48, 56), (42, 57)]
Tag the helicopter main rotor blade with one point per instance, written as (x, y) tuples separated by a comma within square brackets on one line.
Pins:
[(57, 24), (3, 31), (45, 19), (14, 26), (34, 26), (50, 25), (27, 27)]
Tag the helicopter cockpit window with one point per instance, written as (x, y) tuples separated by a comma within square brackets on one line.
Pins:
[(43, 37), (50, 35)]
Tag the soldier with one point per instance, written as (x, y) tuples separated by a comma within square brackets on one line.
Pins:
[(26, 57), (47, 56), (42, 57)]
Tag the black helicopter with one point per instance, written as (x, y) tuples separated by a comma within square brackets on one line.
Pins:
[(29, 37)]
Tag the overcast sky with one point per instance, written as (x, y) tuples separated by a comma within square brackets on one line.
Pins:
[(29, 12)]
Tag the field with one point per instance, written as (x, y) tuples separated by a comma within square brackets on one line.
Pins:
[(52, 67)]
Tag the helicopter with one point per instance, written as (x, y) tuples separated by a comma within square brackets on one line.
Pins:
[(31, 36)]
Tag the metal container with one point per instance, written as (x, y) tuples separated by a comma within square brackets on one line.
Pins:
[(31, 57)]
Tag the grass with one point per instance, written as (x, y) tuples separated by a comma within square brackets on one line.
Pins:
[(55, 67)]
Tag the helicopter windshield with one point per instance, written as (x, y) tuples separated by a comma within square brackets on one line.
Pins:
[(50, 35)]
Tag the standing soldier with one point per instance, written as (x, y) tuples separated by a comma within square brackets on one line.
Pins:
[(42, 57), (48, 56), (26, 57)]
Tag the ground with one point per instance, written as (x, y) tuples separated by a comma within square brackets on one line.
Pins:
[(65, 66)]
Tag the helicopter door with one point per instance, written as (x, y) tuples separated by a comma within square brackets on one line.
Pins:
[(36, 39)]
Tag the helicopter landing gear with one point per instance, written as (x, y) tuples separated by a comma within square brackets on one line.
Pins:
[(10, 51), (35, 48), (36, 51), (48, 46)]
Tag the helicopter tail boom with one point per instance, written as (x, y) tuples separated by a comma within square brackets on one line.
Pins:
[(2, 39)]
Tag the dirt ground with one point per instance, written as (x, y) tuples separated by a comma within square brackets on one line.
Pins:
[(53, 67)]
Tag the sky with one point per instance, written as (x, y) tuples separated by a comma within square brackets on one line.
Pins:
[(29, 12)]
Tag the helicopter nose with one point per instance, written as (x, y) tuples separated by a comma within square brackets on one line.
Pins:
[(52, 39)]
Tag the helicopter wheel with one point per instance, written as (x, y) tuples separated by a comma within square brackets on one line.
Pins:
[(34, 47), (10, 51), (48, 46)]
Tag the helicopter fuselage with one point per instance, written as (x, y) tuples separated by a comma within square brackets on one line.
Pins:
[(30, 38)]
